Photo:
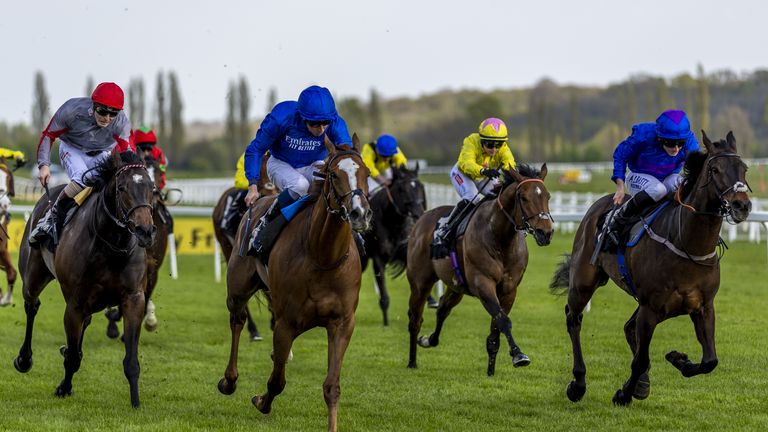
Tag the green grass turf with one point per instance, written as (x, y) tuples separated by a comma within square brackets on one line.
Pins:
[(182, 362)]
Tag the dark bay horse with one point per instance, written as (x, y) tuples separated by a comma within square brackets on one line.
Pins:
[(491, 255), (7, 191), (395, 210), (164, 222), (100, 261), (674, 269), (226, 237), (313, 275)]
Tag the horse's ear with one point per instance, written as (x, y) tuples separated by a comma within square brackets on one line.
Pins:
[(731, 140), (356, 142), (514, 175), (707, 143), (329, 146), (543, 171)]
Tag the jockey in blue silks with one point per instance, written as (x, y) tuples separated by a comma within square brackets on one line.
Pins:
[(654, 153), (294, 133)]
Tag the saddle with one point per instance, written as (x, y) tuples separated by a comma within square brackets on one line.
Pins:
[(630, 228), (271, 231)]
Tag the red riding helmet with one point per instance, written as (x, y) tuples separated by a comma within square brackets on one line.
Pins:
[(108, 94)]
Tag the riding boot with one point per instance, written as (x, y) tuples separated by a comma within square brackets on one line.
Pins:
[(625, 214), (441, 239), (49, 226), (270, 225)]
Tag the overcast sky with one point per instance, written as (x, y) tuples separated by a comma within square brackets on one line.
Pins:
[(402, 48)]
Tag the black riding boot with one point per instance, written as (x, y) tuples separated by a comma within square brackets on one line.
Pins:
[(234, 206), (441, 240), (630, 209), (50, 226), (269, 226)]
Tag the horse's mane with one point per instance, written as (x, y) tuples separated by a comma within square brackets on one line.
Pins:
[(525, 171), (694, 163), (104, 172)]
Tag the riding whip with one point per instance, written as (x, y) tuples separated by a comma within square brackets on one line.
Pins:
[(246, 233)]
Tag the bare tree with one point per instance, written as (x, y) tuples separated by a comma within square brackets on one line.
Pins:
[(244, 105), (375, 114), (231, 130), (89, 85), (271, 99), (136, 101), (41, 105), (161, 123), (175, 108)]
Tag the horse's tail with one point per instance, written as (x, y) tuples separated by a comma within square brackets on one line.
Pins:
[(560, 280), (399, 259)]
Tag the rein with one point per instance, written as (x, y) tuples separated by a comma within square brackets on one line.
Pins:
[(524, 226), (329, 176)]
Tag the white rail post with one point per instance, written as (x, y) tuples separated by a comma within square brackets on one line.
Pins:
[(172, 253), (216, 261)]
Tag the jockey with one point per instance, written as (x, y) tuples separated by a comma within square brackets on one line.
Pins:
[(655, 153), (89, 129), (146, 142), (380, 157), (482, 157), (236, 202), (16, 156), (294, 133)]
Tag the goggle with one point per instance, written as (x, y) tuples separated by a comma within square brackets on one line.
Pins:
[(104, 111), (316, 123), (145, 147), (491, 144), (672, 143)]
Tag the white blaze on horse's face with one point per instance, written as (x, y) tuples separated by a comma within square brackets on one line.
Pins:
[(350, 167), (538, 190), (3, 182), (138, 178), (740, 187)]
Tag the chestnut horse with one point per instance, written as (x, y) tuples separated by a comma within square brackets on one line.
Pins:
[(226, 238), (164, 222), (488, 263), (6, 192), (100, 261), (395, 210), (674, 269), (313, 275)]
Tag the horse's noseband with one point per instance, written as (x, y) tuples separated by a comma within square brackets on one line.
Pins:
[(724, 208), (525, 225)]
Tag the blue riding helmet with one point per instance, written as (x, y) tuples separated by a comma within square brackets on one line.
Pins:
[(316, 104), (386, 145), (673, 125)]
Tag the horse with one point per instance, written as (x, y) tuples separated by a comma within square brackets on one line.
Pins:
[(7, 191), (488, 262), (673, 270), (314, 274), (396, 208), (100, 261), (226, 237), (164, 222)]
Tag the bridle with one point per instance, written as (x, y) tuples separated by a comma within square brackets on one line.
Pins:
[(330, 177), (405, 214), (525, 224), (121, 219), (724, 207)]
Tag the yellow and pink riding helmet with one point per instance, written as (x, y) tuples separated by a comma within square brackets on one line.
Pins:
[(493, 129)]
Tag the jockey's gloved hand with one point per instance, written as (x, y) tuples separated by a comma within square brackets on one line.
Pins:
[(490, 172), (20, 162)]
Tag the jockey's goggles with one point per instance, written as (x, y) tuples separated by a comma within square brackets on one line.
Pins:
[(316, 123), (491, 144), (104, 111), (672, 143)]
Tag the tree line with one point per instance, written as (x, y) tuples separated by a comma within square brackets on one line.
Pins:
[(547, 122)]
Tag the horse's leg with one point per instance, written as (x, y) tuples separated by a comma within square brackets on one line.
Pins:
[(74, 326), (704, 324), (236, 303), (10, 273), (133, 307), (643, 388), (253, 331), (421, 285), (339, 334), (282, 340), (150, 318), (113, 316), (492, 342), (645, 323), (449, 300), (378, 271), (32, 286)]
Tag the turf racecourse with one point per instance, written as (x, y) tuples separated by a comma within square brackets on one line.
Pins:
[(182, 362)]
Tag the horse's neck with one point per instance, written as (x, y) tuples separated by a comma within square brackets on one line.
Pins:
[(105, 227), (699, 230), (329, 236), (501, 228)]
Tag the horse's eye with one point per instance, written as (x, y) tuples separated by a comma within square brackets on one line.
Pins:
[(121, 188), (715, 170)]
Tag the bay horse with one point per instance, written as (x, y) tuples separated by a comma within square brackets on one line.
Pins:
[(313, 276), (673, 269), (100, 261), (226, 237), (7, 191), (395, 210), (488, 263), (164, 222)]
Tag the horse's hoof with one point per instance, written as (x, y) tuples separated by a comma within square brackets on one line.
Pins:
[(112, 331), (432, 303), (255, 337), (22, 366), (4, 302), (621, 399), (226, 387), (258, 402), (520, 360), (677, 359), (424, 342), (643, 388), (412, 365), (575, 391), (150, 326), (63, 392), (63, 351)]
